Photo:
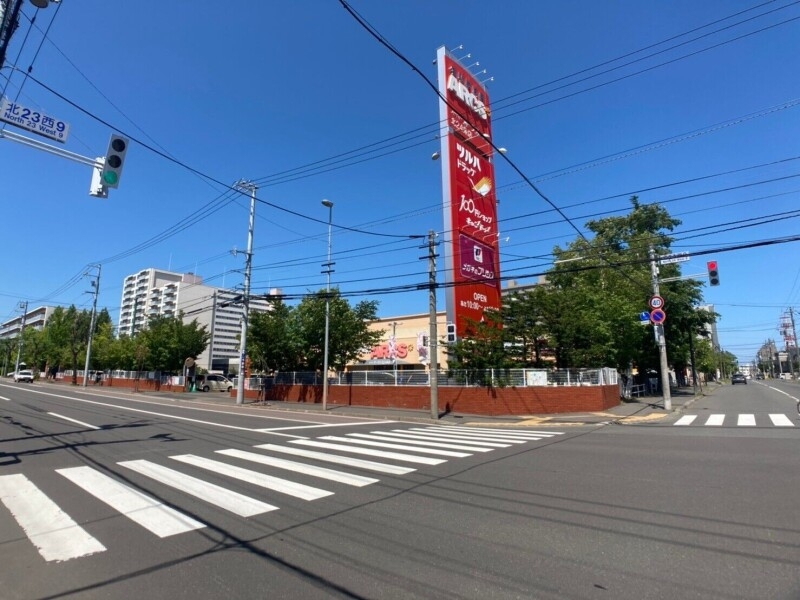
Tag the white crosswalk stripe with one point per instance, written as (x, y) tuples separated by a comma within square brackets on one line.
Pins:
[(526, 434), (422, 460), (56, 536), (447, 438), (402, 446), (740, 419), (359, 463), (140, 508), (239, 504), (298, 490), (477, 436), (321, 472), (424, 440)]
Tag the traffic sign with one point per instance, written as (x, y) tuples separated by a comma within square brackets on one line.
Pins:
[(33, 120), (644, 318), (658, 316), (674, 258), (656, 302)]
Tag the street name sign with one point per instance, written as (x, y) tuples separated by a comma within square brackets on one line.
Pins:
[(33, 120), (674, 258)]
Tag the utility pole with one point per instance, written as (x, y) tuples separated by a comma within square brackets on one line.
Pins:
[(24, 307), (394, 350), (794, 338), (251, 187), (96, 286), (661, 339), (433, 334)]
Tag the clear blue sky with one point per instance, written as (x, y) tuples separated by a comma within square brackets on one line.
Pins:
[(274, 91)]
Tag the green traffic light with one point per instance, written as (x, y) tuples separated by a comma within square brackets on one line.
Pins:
[(110, 178)]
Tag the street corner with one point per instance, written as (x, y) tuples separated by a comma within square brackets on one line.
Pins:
[(535, 421), (635, 419)]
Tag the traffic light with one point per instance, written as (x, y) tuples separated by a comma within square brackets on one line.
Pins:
[(451, 333), (115, 160), (713, 273)]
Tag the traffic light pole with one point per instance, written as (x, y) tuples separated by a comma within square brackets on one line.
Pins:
[(661, 339)]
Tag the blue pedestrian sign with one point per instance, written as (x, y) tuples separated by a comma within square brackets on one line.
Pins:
[(644, 317)]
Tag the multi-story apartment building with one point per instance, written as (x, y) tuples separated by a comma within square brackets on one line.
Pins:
[(35, 318), (153, 292)]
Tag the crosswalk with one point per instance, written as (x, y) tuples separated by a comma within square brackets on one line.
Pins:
[(738, 420), (58, 537)]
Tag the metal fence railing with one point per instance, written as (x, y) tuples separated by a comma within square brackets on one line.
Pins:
[(488, 377)]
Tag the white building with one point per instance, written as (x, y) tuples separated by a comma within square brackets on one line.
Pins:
[(35, 318), (153, 292)]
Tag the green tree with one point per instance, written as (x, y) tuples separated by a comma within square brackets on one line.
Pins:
[(481, 349), (349, 329), (167, 342), (273, 341)]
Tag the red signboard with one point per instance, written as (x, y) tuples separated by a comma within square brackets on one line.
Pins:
[(472, 256)]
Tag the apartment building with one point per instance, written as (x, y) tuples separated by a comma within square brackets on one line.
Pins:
[(35, 318), (153, 292)]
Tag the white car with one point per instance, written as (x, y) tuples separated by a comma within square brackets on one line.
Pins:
[(25, 375)]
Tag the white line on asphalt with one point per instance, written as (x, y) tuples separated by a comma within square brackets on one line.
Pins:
[(515, 433), (290, 465), (371, 423), (151, 514), (686, 420), (4, 398), (423, 460), (55, 535), (449, 438), (73, 421), (359, 463), (405, 445), (237, 503), (298, 490), (746, 420), (781, 420), (388, 436), (715, 420), (469, 436)]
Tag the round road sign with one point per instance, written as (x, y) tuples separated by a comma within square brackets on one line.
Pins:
[(656, 302), (658, 316)]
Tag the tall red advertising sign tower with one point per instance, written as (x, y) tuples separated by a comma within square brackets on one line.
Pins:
[(471, 245)]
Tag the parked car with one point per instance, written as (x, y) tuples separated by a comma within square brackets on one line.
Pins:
[(738, 378), (216, 383), (760, 376), (26, 376)]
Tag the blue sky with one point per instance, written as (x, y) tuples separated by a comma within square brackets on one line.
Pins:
[(300, 99)]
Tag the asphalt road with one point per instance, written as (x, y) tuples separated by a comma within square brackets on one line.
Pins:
[(109, 496)]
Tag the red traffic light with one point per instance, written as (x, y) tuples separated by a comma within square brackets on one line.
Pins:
[(712, 265)]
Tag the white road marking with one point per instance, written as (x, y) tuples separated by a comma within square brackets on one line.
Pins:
[(746, 420), (284, 486), (781, 420), (715, 420), (388, 436), (370, 423), (526, 433), (470, 436), (423, 460), (151, 514), (81, 423), (449, 438), (4, 398), (359, 463), (686, 420), (239, 504), (290, 465), (406, 445), (55, 535)]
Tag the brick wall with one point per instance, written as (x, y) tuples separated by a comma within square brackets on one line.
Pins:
[(472, 400)]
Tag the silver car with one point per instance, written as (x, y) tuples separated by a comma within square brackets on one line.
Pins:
[(25, 375)]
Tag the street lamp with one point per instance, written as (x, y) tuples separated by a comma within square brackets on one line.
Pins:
[(328, 268)]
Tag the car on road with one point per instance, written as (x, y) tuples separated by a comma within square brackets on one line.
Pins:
[(738, 378), (25, 375)]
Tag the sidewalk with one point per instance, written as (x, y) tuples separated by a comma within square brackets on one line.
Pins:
[(646, 409)]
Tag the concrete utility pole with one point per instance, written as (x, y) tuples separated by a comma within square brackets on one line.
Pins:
[(328, 269), (661, 339), (251, 187), (24, 307), (96, 286), (794, 337), (433, 334)]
